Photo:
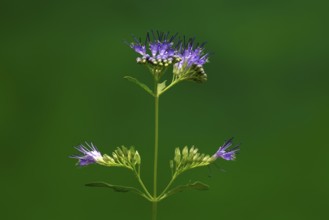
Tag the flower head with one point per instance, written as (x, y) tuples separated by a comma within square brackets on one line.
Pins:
[(90, 155), (226, 155), (192, 59), (158, 49)]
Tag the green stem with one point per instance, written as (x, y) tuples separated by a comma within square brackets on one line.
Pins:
[(173, 82), (161, 196), (143, 185), (156, 146), (168, 87), (154, 210)]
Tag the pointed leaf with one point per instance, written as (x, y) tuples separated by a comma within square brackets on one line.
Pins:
[(142, 85), (161, 86), (196, 185), (116, 188)]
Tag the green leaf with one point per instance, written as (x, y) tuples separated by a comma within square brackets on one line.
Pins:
[(161, 86), (142, 85), (116, 188), (196, 186)]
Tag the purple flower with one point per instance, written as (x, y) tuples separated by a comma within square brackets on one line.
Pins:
[(90, 155), (227, 155), (158, 49), (192, 58)]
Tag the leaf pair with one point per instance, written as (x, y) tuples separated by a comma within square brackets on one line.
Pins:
[(196, 186)]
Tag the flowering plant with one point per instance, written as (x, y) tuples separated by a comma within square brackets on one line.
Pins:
[(158, 53)]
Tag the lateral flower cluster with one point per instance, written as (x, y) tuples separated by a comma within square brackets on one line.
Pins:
[(159, 50), (121, 157)]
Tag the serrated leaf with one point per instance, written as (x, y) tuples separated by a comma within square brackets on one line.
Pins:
[(161, 86), (196, 186), (116, 188), (142, 85)]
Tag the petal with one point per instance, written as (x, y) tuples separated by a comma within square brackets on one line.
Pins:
[(227, 144), (86, 160), (139, 48), (154, 49), (229, 155)]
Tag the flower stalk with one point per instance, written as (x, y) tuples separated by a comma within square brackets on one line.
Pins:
[(156, 148)]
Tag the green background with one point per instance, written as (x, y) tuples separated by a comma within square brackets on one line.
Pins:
[(61, 83)]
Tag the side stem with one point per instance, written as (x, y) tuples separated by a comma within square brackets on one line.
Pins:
[(149, 197), (156, 146), (162, 195)]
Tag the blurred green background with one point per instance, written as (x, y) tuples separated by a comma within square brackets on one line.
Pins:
[(61, 83)]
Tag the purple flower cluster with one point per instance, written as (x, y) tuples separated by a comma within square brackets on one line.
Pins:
[(158, 49), (192, 60), (227, 155), (188, 58), (90, 155)]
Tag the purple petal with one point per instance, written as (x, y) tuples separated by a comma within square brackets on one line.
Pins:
[(86, 160), (89, 155), (154, 49), (227, 155), (227, 144), (139, 49)]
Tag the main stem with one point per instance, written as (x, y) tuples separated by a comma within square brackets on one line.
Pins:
[(156, 146)]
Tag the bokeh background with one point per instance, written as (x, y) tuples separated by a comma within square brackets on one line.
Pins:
[(62, 65)]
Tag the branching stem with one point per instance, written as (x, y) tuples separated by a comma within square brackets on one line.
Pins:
[(149, 196), (163, 194)]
